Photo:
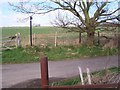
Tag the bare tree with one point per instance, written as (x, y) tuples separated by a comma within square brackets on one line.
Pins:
[(69, 23), (89, 13)]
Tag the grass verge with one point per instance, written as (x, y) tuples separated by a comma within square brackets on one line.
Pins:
[(76, 80), (32, 54)]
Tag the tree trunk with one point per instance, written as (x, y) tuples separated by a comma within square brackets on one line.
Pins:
[(90, 38), (98, 38)]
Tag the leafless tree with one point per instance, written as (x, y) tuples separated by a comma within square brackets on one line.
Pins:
[(68, 23), (90, 13)]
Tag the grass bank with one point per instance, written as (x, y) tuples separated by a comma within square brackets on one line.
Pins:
[(32, 54), (96, 75)]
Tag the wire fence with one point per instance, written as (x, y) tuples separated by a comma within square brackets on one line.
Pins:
[(71, 38), (54, 39)]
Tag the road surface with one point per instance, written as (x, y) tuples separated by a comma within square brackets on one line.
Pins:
[(16, 73)]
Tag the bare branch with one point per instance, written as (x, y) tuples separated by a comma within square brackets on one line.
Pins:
[(111, 12), (97, 13), (107, 19)]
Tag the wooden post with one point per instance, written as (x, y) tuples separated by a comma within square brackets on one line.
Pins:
[(17, 39), (88, 75), (28, 40), (79, 37), (98, 38), (44, 72), (34, 38), (81, 75), (24, 41), (55, 39), (30, 30)]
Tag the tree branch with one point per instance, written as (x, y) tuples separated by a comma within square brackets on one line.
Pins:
[(97, 13), (110, 13), (106, 20)]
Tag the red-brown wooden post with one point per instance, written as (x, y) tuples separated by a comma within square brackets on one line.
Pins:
[(44, 73)]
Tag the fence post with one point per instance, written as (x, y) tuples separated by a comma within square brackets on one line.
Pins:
[(44, 72), (17, 39), (98, 38), (34, 38), (81, 75), (80, 37), (55, 39), (88, 75)]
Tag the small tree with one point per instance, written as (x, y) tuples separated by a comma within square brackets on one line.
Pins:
[(89, 13)]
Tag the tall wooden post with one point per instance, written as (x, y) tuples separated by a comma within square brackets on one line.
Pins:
[(30, 30), (44, 73)]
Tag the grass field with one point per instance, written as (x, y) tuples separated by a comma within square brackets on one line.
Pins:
[(29, 54), (25, 30), (43, 35), (38, 30)]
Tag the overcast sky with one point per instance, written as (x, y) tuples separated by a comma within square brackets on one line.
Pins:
[(12, 18)]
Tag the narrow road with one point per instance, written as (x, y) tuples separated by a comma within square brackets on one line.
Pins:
[(16, 73)]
